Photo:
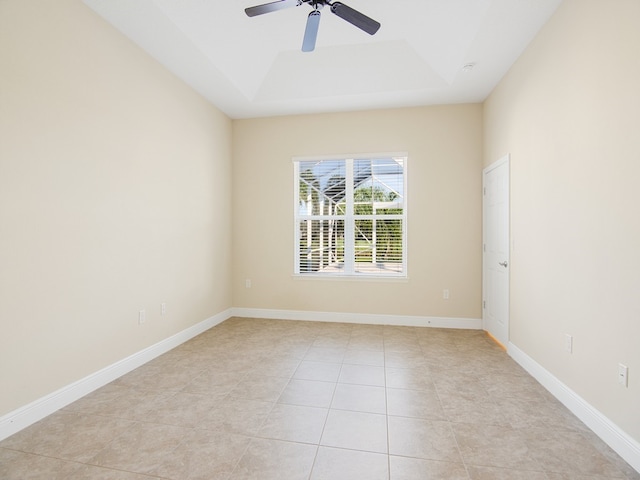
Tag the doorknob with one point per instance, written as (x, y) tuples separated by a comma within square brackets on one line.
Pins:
[(503, 264)]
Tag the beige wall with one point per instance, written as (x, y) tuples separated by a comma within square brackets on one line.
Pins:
[(569, 114), (444, 204), (114, 195)]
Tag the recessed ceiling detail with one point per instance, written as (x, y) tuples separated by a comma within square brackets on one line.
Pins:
[(252, 67)]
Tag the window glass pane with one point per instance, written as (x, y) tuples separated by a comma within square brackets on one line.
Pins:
[(389, 241), (321, 246), (378, 246), (378, 186), (322, 186), (364, 241)]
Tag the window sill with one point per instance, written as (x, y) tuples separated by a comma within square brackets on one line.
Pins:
[(351, 278)]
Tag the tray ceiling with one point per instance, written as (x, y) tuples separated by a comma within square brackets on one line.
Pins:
[(251, 67)]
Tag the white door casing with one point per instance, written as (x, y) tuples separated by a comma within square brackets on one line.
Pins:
[(495, 258)]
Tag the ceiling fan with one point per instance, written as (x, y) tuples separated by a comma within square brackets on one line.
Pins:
[(345, 12)]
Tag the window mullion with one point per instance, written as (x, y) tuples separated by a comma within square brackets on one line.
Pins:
[(349, 226), (296, 213)]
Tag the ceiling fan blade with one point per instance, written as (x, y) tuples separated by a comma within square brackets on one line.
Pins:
[(271, 7), (354, 17), (311, 32)]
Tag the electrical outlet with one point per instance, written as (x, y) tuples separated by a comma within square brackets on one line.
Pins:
[(623, 375), (247, 283), (568, 343), (142, 316), (445, 294), (163, 308)]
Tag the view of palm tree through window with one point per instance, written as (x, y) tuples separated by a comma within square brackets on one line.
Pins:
[(350, 216)]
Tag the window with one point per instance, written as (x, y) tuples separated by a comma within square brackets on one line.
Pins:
[(350, 217)]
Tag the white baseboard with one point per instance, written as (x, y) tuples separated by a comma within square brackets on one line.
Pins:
[(609, 432), (371, 319), (21, 418)]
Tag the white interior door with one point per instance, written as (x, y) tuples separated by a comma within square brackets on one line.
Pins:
[(495, 268)]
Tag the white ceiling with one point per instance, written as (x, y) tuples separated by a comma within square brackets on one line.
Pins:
[(253, 67)]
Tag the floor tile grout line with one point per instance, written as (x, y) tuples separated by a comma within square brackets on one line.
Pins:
[(237, 462), (386, 406), (315, 457), (86, 463)]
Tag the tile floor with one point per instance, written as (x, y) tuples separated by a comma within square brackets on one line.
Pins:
[(264, 399)]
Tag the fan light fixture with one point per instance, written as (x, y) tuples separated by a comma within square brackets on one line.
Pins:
[(343, 11)]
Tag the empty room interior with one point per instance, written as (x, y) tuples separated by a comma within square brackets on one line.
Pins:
[(159, 317)]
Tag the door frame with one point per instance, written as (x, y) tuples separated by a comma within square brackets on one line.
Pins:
[(498, 163)]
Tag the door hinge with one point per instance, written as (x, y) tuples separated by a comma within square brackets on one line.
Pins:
[(484, 304), (484, 190)]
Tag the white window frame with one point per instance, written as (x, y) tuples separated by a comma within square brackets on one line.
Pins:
[(349, 219)]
